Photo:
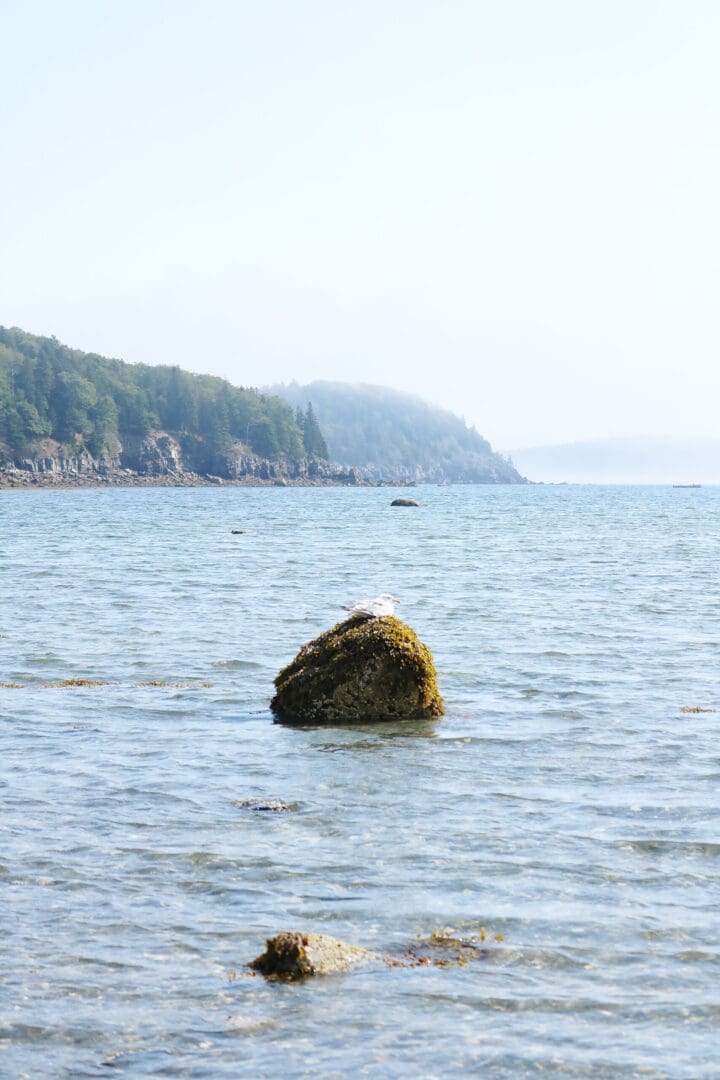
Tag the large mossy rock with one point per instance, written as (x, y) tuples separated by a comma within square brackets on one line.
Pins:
[(361, 670)]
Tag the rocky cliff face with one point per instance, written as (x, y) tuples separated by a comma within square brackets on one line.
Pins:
[(160, 458), (473, 470), (164, 458)]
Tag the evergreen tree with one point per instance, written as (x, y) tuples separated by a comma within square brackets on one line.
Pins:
[(135, 415), (313, 440), (264, 440), (12, 429), (74, 399), (217, 426), (105, 425), (182, 404)]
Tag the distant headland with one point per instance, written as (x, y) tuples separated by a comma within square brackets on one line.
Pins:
[(70, 418), (639, 459)]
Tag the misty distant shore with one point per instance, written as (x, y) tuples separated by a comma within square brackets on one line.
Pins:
[(639, 460)]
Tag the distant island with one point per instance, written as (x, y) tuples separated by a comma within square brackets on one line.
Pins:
[(70, 418), (636, 460)]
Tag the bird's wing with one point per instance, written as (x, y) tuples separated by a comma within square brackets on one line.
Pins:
[(362, 607)]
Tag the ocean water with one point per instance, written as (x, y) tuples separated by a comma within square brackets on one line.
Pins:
[(565, 802)]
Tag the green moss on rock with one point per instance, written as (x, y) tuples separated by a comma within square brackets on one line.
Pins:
[(361, 670)]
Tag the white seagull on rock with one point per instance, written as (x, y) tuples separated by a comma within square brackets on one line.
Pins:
[(384, 604)]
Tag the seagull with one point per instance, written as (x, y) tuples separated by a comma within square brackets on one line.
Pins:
[(384, 604)]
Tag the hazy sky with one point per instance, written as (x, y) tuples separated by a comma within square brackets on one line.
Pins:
[(511, 208)]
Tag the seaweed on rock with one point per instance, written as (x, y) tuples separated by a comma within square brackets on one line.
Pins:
[(361, 670)]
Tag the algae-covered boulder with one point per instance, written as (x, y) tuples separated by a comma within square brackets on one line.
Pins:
[(361, 670), (292, 955)]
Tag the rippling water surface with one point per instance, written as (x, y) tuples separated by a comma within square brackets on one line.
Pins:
[(565, 801)]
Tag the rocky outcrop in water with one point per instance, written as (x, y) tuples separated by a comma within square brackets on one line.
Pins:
[(293, 956), (361, 670)]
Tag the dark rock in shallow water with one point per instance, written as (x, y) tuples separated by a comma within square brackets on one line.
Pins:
[(292, 955), (361, 670), (277, 806), (404, 502)]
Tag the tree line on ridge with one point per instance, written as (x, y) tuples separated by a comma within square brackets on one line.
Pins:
[(49, 391)]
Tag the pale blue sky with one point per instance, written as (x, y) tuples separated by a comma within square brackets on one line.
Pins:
[(510, 208)]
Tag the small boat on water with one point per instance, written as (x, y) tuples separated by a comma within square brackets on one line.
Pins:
[(687, 485)]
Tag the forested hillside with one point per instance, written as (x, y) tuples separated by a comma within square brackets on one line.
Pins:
[(48, 391), (66, 413), (392, 434)]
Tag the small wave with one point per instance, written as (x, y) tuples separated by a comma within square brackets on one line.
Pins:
[(671, 847), (237, 665), (42, 659)]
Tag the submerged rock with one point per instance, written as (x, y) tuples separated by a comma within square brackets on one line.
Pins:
[(361, 670), (274, 806), (442, 949), (292, 955)]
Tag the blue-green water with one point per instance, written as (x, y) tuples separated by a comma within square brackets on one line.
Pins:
[(564, 801)]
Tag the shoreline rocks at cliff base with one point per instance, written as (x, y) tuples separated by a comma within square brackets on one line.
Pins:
[(362, 670), (162, 458)]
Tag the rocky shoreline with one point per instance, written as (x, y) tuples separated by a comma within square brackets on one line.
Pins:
[(18, 481), (161, 459)]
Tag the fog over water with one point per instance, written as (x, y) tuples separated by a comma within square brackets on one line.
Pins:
[(508, 209), (623, 461)]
